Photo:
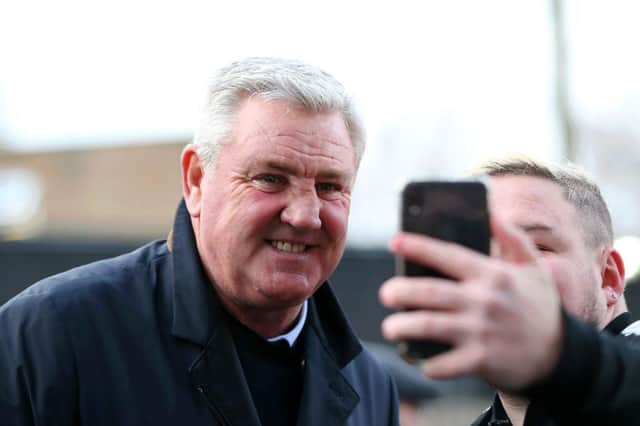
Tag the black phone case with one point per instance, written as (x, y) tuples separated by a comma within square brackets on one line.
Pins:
[(448, 210)]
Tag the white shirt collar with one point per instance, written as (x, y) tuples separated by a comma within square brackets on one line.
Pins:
[(632, 330), (294, 333)]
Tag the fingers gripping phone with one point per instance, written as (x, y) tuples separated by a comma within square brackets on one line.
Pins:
[(454, 211)]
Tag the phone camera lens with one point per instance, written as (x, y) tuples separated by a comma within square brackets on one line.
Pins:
[(414, 210)]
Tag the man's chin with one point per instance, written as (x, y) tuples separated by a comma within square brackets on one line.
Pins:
[(289, 290)]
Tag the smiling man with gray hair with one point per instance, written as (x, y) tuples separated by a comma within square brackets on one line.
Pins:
[(230, 321)]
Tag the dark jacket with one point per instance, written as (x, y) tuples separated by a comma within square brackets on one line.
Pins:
[(596, 382), (141, 339)]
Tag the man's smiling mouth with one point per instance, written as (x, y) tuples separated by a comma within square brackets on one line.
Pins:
[(288, 247)]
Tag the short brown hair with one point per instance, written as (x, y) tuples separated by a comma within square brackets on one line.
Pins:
[(579, 189)]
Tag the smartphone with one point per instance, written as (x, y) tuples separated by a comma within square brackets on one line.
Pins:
[(454, 211)]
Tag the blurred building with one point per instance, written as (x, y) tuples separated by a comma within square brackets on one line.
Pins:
[(116, 192)]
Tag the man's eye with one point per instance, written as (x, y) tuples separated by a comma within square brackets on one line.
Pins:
[(270, 180), (328, 187), (543, 248)]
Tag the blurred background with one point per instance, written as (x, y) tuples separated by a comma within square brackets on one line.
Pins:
[(98, 98)]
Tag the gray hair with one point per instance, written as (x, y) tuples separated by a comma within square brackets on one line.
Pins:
[(579, 189), (271, 79)]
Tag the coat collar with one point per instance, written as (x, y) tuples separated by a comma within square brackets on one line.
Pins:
[(619, 323), (196, 309), (332, 327), (328, 398)]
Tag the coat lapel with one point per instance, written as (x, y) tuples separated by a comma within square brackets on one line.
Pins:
[(327, 397), (199, 319), (217, 375)]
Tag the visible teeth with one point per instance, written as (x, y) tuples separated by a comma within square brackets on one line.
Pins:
[(288, 247)]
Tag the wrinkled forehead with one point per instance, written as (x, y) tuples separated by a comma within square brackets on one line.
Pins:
[(265, 118), (526, 199), (285, 137)]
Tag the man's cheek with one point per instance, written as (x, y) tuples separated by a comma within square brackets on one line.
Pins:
[(562, 279), (335, 219)]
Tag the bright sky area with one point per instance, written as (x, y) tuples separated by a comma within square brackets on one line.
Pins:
[(441, 84)]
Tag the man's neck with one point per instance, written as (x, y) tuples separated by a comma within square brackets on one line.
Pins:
[(515, 407), (266, 323)]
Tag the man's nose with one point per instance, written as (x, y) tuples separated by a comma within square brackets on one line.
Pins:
[(302, 210)]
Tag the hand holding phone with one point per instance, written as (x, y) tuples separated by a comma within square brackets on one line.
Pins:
[(454, 211)]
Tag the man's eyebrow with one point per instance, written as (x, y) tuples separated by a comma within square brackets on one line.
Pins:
[(279, 167), (334, 174), (286, 169), (535, 227)]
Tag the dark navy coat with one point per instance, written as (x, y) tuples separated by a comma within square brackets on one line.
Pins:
[(141, 339)]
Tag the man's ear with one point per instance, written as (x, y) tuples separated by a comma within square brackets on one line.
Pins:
[(612, 276), (192, 176)]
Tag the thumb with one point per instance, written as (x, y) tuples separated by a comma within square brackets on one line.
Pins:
[(513, 244)]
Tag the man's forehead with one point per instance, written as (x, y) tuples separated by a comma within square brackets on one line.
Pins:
[(297, 159), (280, 133), (520, 188), (273, 117), (529, 201)]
